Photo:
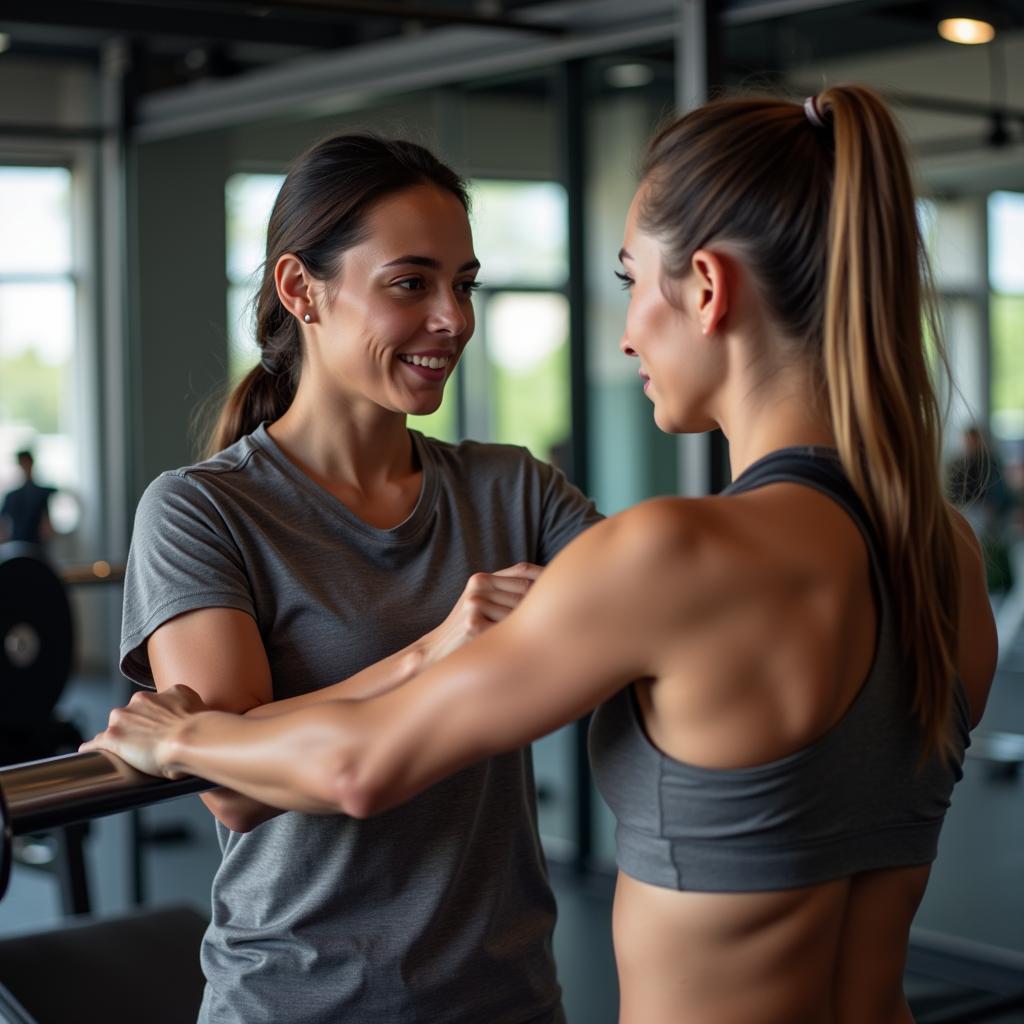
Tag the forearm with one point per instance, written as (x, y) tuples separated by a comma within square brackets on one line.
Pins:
[(292, 762), (241, 812), (376, 679)]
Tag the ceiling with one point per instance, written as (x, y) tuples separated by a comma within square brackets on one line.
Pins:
[(181, 41), (794, 42)]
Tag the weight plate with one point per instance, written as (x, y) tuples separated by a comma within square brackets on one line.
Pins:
[(35, 637)]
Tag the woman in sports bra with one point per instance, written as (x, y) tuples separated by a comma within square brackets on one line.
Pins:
[(785, 674)]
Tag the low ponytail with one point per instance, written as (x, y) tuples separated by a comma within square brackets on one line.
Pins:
[(260, 396), (266, 391), (885, 413)]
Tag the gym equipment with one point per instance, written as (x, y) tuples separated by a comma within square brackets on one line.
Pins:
[(61, 791), (59, 794), (36, 642), (36, 646)]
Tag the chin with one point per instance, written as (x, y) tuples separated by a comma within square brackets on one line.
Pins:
[(682, 424), (423, 406)]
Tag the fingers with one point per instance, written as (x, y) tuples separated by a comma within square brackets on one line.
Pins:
[(526, 570), (516, 579), (483, 612)]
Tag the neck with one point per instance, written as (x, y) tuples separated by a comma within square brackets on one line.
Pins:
[(783, 409), (349, 443)]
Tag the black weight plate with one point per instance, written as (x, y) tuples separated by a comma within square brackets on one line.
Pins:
[(35, 637)]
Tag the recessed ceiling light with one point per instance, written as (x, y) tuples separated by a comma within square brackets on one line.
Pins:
[(629, 76), (968, 31)]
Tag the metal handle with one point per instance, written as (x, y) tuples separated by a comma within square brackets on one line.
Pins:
[(41, 795)]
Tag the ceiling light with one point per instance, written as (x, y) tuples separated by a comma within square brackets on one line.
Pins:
[(968, 31), (629, 76), (5, 42)]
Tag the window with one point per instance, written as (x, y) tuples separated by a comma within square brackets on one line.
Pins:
[(248, 200), (38, 301), (518, 368), (1006, 274)]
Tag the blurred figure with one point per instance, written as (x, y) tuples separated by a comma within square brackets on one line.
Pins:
[(25, 515), (978, 487)]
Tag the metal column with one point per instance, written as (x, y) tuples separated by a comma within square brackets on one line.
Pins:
[(703, 458)]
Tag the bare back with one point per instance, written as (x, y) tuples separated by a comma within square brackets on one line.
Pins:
[(779, 661)]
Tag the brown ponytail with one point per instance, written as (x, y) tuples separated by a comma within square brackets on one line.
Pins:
[(318, 214), (821, 207), (885, 414)]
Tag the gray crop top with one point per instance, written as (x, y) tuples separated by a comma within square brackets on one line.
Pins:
[(851, 801)]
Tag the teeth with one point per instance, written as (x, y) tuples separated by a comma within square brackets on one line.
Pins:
[(432, 362)]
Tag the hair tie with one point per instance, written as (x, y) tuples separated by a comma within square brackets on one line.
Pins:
[(813, 112)]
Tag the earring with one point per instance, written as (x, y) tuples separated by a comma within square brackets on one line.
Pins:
[(308, 318)]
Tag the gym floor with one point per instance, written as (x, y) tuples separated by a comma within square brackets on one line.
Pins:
[(975, 893)]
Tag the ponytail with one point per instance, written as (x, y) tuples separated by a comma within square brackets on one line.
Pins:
[(261, 396), (885, 414), (817, 201)]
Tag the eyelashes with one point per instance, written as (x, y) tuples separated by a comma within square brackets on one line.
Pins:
[(418, 284), (627, 281)]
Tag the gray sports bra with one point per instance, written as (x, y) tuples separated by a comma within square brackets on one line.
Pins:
[(853, 800)]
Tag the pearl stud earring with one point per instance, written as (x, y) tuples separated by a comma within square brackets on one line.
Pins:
[(308, 318)]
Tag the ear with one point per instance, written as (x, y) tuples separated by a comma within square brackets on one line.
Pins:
[(294, 285), (712, 286)]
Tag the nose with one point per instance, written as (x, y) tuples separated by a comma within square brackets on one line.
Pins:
[(448, 315), (625, 347)]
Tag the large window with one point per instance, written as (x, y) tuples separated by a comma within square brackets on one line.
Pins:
[(38, 301)]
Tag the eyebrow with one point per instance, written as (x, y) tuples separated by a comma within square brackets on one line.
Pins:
[(623, 256), (427, 261)]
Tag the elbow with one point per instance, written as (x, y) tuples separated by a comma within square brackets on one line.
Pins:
[(350, 773), (234, 812), (358, 803), (352, 789), (240, 823)]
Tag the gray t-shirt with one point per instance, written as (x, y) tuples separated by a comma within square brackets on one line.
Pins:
[(438, 910)]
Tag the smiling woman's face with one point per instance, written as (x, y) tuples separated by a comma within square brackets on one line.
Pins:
[(391, 327)]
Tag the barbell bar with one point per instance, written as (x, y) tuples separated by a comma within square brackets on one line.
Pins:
[(42, 795)]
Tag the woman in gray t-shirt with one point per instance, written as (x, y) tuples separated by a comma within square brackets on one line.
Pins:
[(325, 541)]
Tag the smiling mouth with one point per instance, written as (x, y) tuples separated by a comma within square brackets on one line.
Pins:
[(429, 362)]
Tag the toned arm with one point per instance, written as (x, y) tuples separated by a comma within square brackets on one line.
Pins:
[(219, 653), (594, 621)]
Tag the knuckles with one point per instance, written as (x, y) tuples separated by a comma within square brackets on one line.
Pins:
[(477, 583)]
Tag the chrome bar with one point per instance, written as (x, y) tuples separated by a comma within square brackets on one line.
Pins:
[(41, 795)]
